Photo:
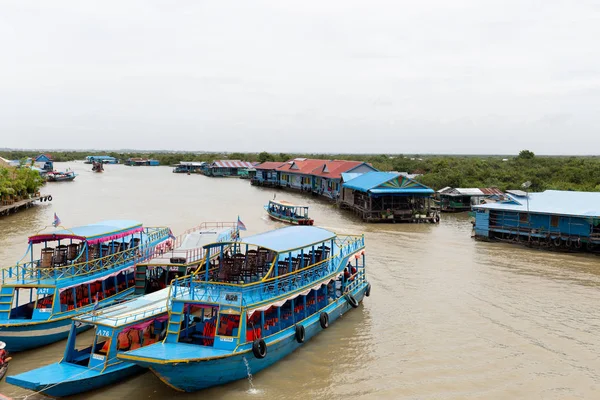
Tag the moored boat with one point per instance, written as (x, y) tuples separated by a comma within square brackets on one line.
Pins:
[(98, 166), (125, 326), (56, 176), (287, 212), (255, 303), (78, 269)]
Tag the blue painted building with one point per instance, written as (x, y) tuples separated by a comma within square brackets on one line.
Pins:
[(102, 159), (563, 220), (45, 162), (387, 197)]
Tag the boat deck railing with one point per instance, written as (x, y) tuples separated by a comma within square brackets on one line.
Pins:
[(197, 290), (125, 319), (32, 273)]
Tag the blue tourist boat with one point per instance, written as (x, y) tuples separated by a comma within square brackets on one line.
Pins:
[(125, 326), (76, 269), (57, 176), (289, 213), (256, 302)]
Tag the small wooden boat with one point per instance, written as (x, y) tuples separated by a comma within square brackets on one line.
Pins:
[(129, 325), (79, 269), (3, 369), (289, 213), (55, 176), (98, 166), (256, 302)]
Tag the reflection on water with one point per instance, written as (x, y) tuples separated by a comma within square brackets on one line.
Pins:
[(448, 317)]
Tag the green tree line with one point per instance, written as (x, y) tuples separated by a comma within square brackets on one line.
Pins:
[(438, 171), (19, 182)]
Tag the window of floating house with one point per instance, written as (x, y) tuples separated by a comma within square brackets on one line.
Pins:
[(523, 218), (554, 220)]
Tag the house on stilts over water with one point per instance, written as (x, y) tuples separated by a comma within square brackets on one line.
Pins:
[(451, 199), (561, 220), (387, 197)]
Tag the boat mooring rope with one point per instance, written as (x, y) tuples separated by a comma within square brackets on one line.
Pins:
[(25, 397)]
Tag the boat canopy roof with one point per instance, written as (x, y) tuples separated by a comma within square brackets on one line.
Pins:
[(289, 238), (286, 204), (130, 312), (93, 233)]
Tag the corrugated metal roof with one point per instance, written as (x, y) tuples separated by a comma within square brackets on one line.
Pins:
[(232, 164), (270, 165), (335, 168), (348, 176), (582, 204), (386, 182), (469, 191)]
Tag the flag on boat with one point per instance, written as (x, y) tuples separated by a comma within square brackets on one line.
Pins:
[(56, 221), (240, 225)]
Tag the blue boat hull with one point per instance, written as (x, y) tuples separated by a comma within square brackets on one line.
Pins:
[(62, 379), (193, 376), (28, 336), (25, 336)]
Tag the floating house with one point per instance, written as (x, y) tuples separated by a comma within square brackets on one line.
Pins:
[(44, 162), (561, 220), (137, 162), (266, 174), (101, 159), (387, 197), (188, 167), (462, 199), (321, 177), (224, 168)]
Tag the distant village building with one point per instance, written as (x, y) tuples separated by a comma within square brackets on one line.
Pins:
[(554, 219), (461, 199), (225, 168), (387, 197)]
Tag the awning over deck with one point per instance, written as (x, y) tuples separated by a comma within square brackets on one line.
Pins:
[(290, 238), (387, 183), (93, 233)]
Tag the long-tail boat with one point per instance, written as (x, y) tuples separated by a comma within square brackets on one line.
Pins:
[(125, 326), (255, 303), (78, 269)]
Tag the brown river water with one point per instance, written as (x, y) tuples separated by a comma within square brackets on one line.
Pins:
[(448, 317)]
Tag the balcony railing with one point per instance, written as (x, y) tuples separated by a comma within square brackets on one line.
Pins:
[(32, 273), (189, 287)]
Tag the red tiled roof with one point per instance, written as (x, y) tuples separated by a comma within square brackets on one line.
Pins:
[(336, 168), (305, 165), (270, 165), (312, 166)]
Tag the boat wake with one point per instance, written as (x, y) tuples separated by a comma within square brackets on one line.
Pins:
[(251, 389)]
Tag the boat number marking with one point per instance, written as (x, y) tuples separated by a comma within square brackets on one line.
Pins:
[(45, 290), (98, 357), (231, 297), (227, 339), (103, 332)]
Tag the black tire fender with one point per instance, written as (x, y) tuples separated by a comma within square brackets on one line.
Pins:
[(49, 198), (300, 331), (259, 348), (324, 320), (351, 300), (368, 290)]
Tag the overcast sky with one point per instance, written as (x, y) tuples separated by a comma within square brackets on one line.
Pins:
[(428, 76)]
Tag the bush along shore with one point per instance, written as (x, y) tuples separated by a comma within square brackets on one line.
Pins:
[(437, 171)]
